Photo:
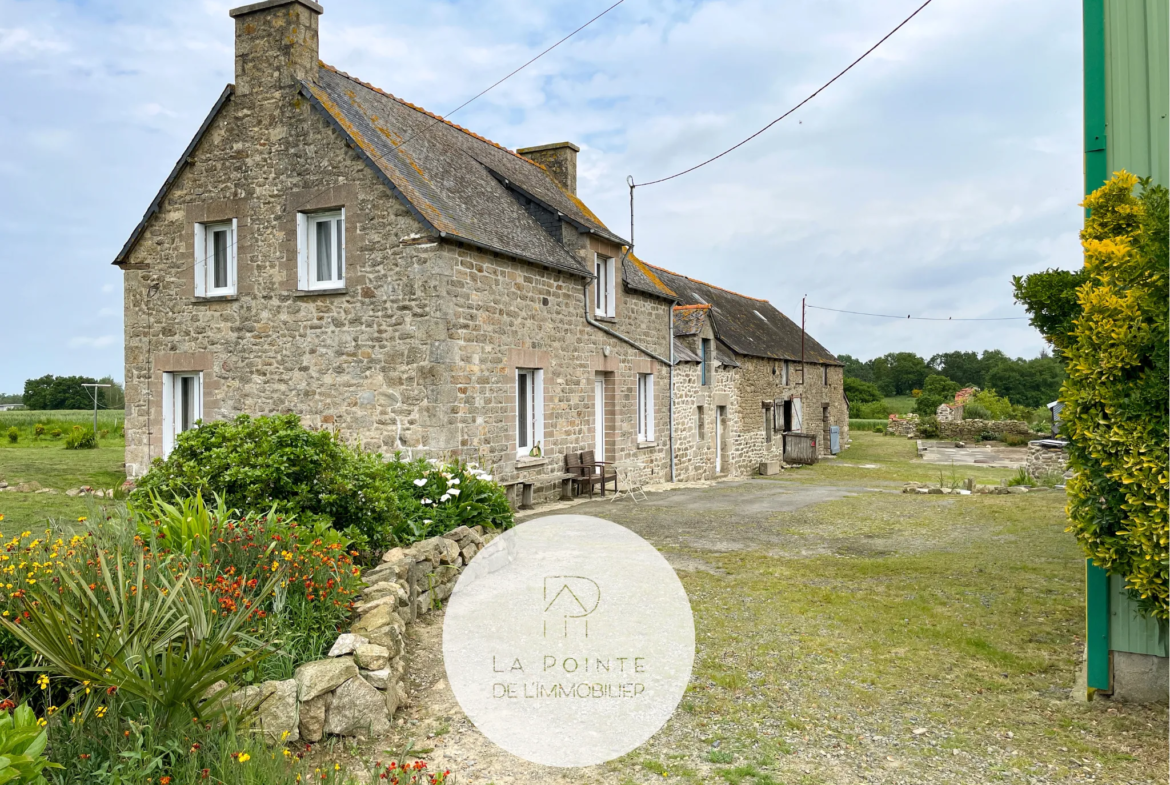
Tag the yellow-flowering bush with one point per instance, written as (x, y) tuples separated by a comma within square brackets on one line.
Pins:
[(1116, 407)]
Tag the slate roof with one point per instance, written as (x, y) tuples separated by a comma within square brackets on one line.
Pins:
[(458, 184), (463, 186), (746, 325), (684, 355), (689, 319), (639, 276)]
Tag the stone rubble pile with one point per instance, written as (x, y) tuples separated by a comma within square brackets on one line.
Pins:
[(1047, 457), (357, 688)]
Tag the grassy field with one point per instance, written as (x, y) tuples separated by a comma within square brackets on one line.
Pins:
[(25, 422), (60, 469), (901, 404)]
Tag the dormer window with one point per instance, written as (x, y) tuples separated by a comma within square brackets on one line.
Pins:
[(215, 259), (604, 288)]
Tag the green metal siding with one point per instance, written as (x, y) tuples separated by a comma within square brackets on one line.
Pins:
[(1130, 630), (1137, 91)]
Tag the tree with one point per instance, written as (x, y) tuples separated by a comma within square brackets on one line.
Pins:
[(858, 391), (1115, 398), (1030, 383), (114, 396), (856, 368), (57, 392), (936, 390), (1050, 298), (11, 398), (904, 372)]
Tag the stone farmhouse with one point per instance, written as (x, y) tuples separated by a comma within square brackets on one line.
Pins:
[(326, 248)]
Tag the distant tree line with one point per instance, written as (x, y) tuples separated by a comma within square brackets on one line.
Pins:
[(50, 393), (1030, 383)]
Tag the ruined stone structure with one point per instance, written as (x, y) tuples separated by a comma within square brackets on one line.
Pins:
[(325, 248)]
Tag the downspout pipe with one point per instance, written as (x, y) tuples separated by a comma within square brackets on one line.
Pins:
[(615, 334), (670, 404)]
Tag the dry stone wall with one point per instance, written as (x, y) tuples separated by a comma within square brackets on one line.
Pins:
[(1046, 457), (356, 689), (971, 430)]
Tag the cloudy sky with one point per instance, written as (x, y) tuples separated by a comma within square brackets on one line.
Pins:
[(918, 184)]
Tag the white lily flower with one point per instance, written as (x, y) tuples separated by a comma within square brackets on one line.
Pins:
[(420, 482), (453, 481), (453, 491), (427, 520), (446, 497), (426, 501)]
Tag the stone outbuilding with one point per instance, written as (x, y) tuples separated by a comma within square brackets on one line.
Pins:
[(326, 248)]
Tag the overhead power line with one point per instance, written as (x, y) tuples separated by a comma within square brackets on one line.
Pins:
[(790, 111), (925, 318)]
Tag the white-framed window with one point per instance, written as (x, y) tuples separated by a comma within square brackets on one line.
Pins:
[(529, 410), (182, 405), (215, 258), (321, 250), (605, 287), (645, 407)]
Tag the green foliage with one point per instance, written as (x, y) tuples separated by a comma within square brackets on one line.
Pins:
[(1050, 298), (966, 368), (57, 392), (1021, 477), (975, 411), (897, 373), (1116, 401), (184, 526), (13, 435), (38, 431), (1029, 383), (877, 410), (928, 427), (22, 748), (436, 498), (1015, 439), (276, 463), (936, 390), (996, 407), (856, 369), (858, 391), (81, 438)]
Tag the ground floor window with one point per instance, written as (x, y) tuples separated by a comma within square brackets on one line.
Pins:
[(529, 411), (700, 425), (182, 405), (645, 407)]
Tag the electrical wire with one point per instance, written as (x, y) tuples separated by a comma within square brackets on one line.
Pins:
[(924, 318), (790, 111), (436, 121)]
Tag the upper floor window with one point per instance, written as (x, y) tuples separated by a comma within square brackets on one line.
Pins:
[(321, 250), (604, 287), (825, 375), (645, 407), (529, 410), (215, 259), (784, 372), (705, 361)]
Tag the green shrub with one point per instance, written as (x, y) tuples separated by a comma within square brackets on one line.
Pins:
[(55, 433), (1015, 439), (928, 427), (80, 439), (38, 431), (275, 463), (973, 411), (13, 434), (1021, 477), (436, 498), (879, 429), (874, 410), (22, 747)]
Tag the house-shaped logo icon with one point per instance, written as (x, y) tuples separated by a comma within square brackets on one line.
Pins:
[(569, 597)]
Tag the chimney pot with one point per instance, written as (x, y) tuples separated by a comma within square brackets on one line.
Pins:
[(276, 44), (559, 158)]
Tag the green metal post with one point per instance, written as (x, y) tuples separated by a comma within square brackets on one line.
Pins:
[(1096, 173)]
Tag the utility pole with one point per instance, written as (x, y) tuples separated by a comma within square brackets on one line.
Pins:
[(94, 394), (802, 299)]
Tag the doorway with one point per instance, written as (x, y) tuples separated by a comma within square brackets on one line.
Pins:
[(599, 417), (720, 414)]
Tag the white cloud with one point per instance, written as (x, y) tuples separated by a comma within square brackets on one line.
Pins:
[(92, 342), (21, 43)]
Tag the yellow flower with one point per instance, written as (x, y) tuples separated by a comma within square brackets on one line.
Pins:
[(244, 757), (42, 721), (81, 519), (43, 681), (100, 711), (287, 754)]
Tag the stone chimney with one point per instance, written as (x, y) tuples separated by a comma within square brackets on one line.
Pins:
[(276, 44), (560, 158)]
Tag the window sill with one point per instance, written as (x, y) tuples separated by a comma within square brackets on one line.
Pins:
[(216, 298), (647, 445), (528, 463), (319, 292), (599, 318)]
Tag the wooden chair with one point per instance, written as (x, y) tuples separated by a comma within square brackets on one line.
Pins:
[(598, 473), (578, 475)]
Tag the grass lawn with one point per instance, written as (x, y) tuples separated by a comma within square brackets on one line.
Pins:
[(54, 467)]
